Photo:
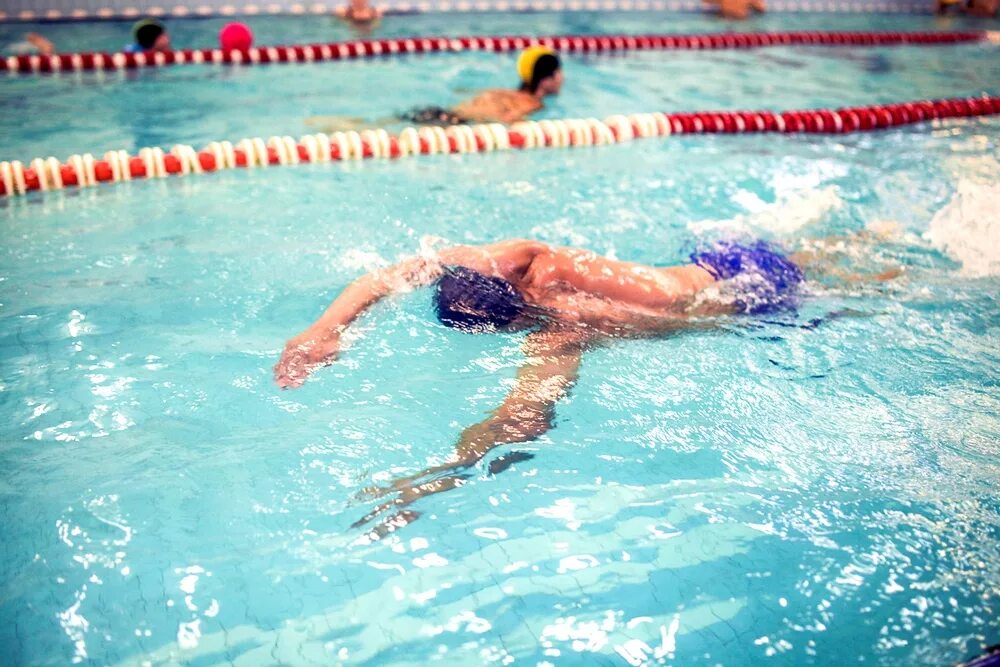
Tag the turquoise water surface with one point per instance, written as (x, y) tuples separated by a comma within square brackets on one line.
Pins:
[(761, 493)]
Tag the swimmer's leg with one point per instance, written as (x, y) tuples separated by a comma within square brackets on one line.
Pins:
[(825, 264), (432, 116), (824, 256)]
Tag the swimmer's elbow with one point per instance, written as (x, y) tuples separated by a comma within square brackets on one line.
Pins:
[(531, 248)]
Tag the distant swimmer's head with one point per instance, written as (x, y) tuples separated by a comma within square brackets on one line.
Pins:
[(475, 303), (540, 71), (150, 35)]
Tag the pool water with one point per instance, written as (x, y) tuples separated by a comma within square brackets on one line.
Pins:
[(759, 493), (96, 111)]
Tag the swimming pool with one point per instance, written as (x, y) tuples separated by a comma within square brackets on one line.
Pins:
[(757, 493)]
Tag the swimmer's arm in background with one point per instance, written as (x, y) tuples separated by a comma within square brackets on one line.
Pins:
[(44, 46), (528, 411), (320, 343)]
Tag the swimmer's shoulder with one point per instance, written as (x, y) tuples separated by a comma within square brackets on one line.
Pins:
[(509, 259)]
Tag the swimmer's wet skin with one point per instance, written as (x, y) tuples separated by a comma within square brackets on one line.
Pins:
[(569, 299)]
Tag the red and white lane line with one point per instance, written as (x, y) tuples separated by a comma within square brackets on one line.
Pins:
[(367, 48), (18, 178)]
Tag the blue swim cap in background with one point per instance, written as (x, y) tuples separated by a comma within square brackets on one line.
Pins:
[(468, 300)]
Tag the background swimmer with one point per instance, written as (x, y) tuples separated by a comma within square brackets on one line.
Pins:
[(978, 8), (539, 69), (149, 35), (359, 14), (737, 9), (32, 43)]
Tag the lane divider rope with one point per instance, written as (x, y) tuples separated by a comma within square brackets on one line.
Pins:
[(354, 49), (18, 178)]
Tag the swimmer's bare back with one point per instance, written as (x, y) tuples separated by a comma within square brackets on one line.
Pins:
[(498, 106)]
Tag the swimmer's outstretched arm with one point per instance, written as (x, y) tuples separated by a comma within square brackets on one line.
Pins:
[(528, 411), (320, 343)]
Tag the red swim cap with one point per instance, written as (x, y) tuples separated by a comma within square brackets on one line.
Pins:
[(235, 36)]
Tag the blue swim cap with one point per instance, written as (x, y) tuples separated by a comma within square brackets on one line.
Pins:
[(473, 302)]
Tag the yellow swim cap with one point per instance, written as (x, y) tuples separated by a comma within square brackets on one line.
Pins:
[(528, 58)]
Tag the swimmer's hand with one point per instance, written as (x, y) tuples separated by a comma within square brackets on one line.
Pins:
[(300, 357)]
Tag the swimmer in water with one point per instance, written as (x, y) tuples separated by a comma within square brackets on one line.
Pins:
[(984, 9), (737, 9), (541, 75), (32, 43), (359, 14), (150, 35), (976, 8), (540, 72), (569, 299), (945, 7)]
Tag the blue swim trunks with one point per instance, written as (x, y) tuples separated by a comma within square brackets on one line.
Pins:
[(762, 280)]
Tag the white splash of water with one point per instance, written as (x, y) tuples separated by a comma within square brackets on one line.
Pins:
[(967, 229), (792, 211)]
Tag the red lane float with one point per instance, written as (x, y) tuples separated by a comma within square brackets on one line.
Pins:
[(17, 178), (349, 50)]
